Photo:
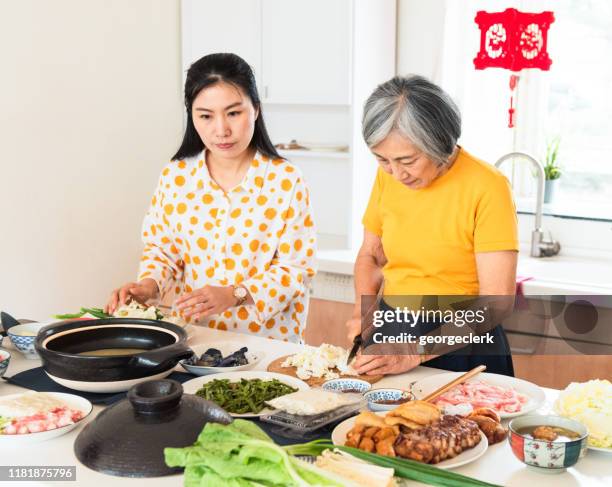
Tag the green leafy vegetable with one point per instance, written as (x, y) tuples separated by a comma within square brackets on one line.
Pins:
[(240, 454), (97, 312), (246, 396), (404, 468)]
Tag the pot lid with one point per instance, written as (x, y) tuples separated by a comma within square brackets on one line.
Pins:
[(128, 438)]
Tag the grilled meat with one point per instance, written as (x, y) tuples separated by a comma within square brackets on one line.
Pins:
[(440, 440)]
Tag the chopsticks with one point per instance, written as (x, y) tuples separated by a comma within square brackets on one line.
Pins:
[(459, 380)]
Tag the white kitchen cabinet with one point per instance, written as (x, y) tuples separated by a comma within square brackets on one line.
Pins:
[(210, 26), (306, 51)]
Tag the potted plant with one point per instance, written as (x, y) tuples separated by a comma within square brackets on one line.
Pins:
[(552, 171)]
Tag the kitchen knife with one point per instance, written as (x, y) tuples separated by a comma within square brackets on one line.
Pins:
[(357, 342)]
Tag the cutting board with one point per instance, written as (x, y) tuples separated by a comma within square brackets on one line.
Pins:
[(275, 366)]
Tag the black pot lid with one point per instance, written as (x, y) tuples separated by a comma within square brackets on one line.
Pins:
[(128, 438)]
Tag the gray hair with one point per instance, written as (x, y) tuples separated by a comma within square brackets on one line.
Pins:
[(419, 110)]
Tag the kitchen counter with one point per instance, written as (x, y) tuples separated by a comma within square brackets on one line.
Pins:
[(498, 465), (561, 274)]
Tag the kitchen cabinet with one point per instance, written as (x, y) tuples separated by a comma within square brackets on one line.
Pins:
[(300, 51), (306, 51), (229, 26)]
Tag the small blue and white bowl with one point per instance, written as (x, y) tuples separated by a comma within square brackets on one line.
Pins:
[(377, 397), (5, 358), (357, 386), (23, 337)]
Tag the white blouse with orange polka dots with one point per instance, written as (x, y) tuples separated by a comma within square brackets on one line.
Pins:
[(259, 234)]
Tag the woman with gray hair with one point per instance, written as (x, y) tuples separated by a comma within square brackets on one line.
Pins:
[(439, 221)]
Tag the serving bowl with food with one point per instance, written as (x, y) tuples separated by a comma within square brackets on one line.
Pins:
[(110, 355), (37, 416), (548, 444), (214, 358), (245, 393)]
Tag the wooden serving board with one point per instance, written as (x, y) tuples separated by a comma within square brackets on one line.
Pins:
[(275, 366)]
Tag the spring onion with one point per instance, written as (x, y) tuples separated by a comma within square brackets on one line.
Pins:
[(404, 468)]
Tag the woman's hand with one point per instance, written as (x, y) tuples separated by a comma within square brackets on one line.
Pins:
[(353, 328), (140, 291), (209, 300), (385, 364)]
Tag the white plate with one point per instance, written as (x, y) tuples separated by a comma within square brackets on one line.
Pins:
[(466, 456), (70, 400), (192, 386), (106, 387), (599, 448), (535, 394), (225, 348)]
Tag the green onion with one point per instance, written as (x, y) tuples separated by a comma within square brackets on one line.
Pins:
[(404, 468)]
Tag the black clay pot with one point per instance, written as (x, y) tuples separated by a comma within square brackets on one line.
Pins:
[(128, 438), (60, 344)]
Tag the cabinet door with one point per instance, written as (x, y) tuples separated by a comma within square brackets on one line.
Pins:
[(210, 26), (306, 51)]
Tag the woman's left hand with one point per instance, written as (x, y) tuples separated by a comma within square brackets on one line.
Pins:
[(206, 301), (385, 364)]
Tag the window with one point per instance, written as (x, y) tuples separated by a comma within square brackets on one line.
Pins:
[(572, 101)]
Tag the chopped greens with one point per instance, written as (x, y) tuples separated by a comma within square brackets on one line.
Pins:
[(246, 396)]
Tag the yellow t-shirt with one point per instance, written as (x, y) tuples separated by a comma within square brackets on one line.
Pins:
[(430, 235)]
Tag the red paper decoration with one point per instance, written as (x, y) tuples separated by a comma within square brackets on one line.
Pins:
[(513, 40)]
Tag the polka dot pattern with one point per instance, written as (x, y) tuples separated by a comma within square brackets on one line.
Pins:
[(260, 234)]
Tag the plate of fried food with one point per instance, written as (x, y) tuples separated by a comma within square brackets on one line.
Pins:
[(417, 430)]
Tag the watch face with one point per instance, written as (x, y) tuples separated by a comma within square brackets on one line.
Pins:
[(240, 292)]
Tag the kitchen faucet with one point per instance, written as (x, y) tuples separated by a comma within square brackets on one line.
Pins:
[(539, 246)]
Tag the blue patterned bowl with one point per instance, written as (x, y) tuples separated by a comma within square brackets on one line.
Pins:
[(547, 456), (375, 398), (5, 358), (347, 385), (23, 337)]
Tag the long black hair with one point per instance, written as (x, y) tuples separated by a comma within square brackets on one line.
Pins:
[(232, 69)]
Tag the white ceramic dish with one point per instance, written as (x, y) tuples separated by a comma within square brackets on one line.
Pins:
[(599, 448), (225, 348), (192, 386), (467, 456), (106, 387), (72, 401), (535, 394)]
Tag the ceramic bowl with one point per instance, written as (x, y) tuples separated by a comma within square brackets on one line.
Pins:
[(375, 398), (547, 456), (347, 385), (23, 337), (5, 358)]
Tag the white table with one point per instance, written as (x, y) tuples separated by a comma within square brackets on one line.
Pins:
[(498, 465)]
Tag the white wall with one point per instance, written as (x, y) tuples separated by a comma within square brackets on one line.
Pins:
[(91, 108)]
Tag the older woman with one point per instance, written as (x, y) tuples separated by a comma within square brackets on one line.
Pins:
[(439, 220)]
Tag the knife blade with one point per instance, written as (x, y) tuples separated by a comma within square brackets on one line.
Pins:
[(357, 342)]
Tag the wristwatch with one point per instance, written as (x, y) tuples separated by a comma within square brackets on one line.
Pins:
[(240, 293)]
